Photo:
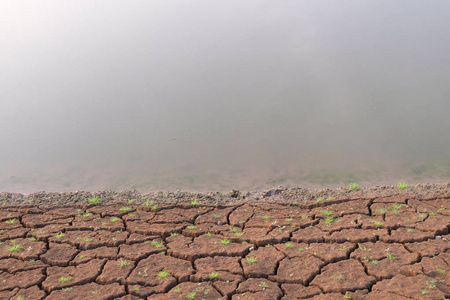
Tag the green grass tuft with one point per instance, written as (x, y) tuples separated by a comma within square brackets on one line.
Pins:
[(94, 200)]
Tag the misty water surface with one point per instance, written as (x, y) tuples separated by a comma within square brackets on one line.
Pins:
[(215, 95)]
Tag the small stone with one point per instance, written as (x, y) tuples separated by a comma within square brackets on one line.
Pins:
[(438, 237)]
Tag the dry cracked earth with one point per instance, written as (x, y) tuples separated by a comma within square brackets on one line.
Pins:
[(350, 248)]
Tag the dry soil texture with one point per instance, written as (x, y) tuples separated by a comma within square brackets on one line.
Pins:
[(279, 244)]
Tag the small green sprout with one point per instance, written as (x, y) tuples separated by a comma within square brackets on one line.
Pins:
[(164, 274), (382, 211), (94, 292), (374, 262), (402, 185), (225, 242), (289, 245), (326, 212), (214, 275), (441, 271), (114, 219), (33, 239), (348, 297), (123, 263), (264, 285), (217, 216), (338, 277), (320, 199), (209, 234), (265, 217), (10, 222), (177, 290), (88, 239), (191, 227), (354, 186), (250, 260), (195, 202), (59, 235), (125, 208), (391, 257), (157, 244), (15, 248), (94, 200), (289, 219), (191, 295), (174, 234), (65, 279), (409, 230), (424, 292), (396, 206)]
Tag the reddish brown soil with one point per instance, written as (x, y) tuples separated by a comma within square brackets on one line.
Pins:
[(284, 245)]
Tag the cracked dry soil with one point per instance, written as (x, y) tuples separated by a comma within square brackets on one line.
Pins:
[(281, 244)]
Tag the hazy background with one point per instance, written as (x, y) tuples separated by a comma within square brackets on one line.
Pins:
[(214, 95)]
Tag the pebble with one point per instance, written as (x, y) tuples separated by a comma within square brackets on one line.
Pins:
[(438, 237)]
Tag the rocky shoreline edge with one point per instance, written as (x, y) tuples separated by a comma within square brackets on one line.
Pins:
[(294, 196)]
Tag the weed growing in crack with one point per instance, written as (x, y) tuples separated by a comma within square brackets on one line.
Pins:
[(250, 260), (164, 274), (94, 200), (65, 279), (174, 234), (402, 185)]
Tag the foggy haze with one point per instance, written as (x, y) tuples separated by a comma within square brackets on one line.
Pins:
[(220, 95)]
